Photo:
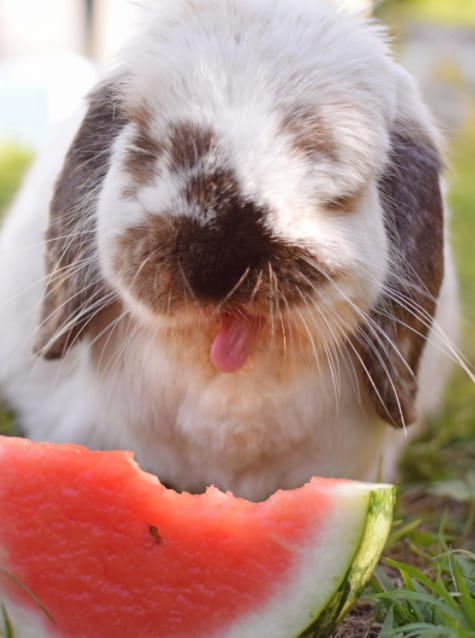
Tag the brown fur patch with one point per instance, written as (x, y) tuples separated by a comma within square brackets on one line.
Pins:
[(141, 159), (75, 290), (412, 202), (141, 116), (216, 192), (188, 144), (143, 151), (309, 132)]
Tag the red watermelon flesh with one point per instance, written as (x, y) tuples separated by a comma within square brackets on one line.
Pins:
[(107, 551)]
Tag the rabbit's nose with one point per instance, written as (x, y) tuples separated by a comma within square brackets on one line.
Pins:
[(212, 276), (215, 257)]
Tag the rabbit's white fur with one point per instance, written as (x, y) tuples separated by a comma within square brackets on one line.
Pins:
[(274, 423)]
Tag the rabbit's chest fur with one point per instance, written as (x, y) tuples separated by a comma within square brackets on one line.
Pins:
[(251, 432)]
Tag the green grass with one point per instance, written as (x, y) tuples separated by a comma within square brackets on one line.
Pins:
[(7, 630), (439, 602), (425, 585)]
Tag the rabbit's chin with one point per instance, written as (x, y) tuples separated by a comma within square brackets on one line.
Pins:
[(239, 338), (233, 334)]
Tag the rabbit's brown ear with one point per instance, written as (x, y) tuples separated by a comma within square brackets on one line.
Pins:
[(75, 291), (393, 342)]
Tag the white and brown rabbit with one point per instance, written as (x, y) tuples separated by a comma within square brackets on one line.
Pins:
[(235, 264)]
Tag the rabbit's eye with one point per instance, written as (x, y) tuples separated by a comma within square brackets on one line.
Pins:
[(344, 203)]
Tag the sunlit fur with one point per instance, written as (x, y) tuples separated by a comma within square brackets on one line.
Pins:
[(143, 380)]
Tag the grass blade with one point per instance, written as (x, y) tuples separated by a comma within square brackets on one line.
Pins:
[(7, 624), (29, 593)]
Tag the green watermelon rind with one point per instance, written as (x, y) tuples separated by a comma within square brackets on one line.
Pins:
[(381, 505)]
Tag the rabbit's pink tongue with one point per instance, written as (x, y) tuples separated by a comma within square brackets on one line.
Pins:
[(235, 341)]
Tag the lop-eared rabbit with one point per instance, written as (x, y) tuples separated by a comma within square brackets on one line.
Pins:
[(233, 263)]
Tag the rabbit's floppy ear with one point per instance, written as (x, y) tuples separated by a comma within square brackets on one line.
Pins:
[(393, 339), (75, 291)]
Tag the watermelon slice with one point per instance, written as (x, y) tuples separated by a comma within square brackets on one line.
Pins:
[(92, 547)]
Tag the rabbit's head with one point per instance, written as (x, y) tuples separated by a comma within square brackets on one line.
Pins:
[(261, 171)]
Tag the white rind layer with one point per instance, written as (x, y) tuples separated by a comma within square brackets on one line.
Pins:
[(320, 569)]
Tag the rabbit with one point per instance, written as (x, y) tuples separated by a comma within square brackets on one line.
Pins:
[(234, 259)]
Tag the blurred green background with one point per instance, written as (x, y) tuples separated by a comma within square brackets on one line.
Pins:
[(454, 12)]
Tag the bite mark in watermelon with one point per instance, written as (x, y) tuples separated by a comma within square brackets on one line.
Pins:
[(107, 551)]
